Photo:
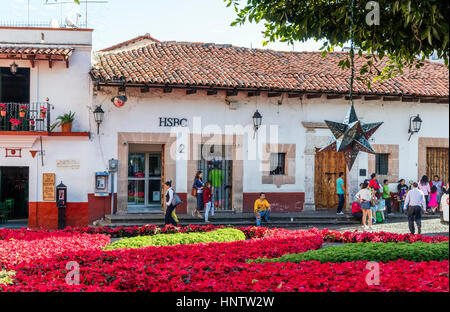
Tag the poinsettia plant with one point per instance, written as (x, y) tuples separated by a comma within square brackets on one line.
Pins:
[(22, 109), (15, 122), (3, 107)]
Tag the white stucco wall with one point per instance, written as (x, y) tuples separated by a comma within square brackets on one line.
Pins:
[(67, 89)]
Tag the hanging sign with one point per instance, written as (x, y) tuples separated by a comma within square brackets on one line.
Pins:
[(119, 100), (48, 186)]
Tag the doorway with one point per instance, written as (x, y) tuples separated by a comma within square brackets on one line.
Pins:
[(14, 88), (437, 163), (145, 176), (14, 184), (328, 165), (216, 163)]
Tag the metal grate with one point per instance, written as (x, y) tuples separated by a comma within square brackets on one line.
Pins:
[(36, 24), (32, 120), (382, 164), (217, 166)]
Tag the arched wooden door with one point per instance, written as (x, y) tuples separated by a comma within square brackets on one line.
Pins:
[(327, 168)]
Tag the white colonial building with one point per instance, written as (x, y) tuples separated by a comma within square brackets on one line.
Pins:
[(172, 109)]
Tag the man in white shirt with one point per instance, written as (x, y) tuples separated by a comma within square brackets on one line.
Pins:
[(415, 203)]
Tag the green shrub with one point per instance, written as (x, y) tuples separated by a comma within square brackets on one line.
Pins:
[(378, 252), (221, 235)]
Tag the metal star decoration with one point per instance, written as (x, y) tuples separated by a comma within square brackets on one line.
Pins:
[(351, 136)]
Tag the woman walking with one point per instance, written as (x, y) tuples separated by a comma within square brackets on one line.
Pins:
[(364, 196), (198, 186), (207, 199), (170, 203), (424, 186)]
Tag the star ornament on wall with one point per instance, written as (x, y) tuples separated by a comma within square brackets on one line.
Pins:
[(351, 137)]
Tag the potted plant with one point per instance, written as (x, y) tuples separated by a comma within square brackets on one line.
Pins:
[(15, 123), (22, 111), (65, 121), (3, 110), (43, 111)]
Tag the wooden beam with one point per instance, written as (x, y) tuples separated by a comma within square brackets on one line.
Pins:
[(254, 93), (145, 89), (372, 97), (50, 63), (355, 97), (334, 96), (167, 90), (32, 63), (391, 98), (211, 92), (295, 95), (274, 94), (122, 89), (191, 91), (410, 99), (232, 92), (313, 95)]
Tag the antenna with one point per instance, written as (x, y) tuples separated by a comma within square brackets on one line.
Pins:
[(86, 2)]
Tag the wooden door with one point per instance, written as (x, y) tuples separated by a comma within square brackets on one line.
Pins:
[(328, 165), (437, 163)]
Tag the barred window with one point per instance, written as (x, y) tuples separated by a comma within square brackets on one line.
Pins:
[(382, 163), (277, 163)]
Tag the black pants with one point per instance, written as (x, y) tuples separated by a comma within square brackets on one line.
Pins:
[(341, 202), (358, 216), (169, 219), (388, 205), (415, 215)]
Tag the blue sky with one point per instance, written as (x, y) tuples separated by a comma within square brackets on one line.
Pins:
[(181, 20)]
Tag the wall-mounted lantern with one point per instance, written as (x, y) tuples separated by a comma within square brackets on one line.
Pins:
[(415, 124), (98, 116), (257, 120), (13, 68)]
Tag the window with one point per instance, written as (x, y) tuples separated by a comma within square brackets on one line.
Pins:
[(14, 88), (277, 163), (381, 163)]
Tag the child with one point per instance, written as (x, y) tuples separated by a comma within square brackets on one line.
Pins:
[(387, 196), (402, 189), (262, 209), (433, 203), (207, 199)]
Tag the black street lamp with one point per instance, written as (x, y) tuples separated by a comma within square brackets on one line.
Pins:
[(257, 120), (98, 116), (415, 124)]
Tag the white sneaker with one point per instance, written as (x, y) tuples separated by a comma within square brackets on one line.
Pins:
[(340, 213), (370, 228), (365, 228)]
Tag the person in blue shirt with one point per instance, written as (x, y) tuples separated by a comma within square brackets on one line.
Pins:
[(341, 193)]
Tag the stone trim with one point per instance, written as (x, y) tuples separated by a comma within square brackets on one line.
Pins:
[(423, 144), (393, 161), (289, 176), (237, 141), (126, 138)]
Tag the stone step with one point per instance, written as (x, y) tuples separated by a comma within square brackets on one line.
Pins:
[(238, 223)]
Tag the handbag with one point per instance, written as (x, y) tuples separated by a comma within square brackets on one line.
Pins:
[(176, 200), (194, 192)]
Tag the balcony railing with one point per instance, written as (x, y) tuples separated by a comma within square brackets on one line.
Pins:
[(25, 116)]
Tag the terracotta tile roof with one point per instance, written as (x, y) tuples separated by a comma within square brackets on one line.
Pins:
[(132, 43), (225, 66), (19, 50)]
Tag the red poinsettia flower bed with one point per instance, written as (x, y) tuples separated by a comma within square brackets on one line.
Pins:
[(377, 237), (37, 246), (205, 267)]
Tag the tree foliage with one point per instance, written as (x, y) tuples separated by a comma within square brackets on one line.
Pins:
[(407, 29)]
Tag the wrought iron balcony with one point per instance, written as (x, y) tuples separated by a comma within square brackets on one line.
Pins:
[(25, 116)]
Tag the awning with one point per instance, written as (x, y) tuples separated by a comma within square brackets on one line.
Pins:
[(33, 54)]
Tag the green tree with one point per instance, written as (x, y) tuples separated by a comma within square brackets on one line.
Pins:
[(407, 29)]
